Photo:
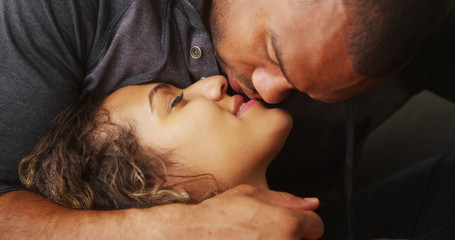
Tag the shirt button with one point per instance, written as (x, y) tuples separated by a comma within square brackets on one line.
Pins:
[(196, 52)]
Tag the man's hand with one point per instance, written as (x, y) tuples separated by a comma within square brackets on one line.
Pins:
[(247, 212)]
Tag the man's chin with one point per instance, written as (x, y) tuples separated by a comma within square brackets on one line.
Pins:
[(332, 97)]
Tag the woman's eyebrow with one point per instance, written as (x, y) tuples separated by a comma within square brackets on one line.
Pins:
[(154, 91)]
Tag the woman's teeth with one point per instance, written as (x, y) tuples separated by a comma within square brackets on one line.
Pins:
[(241, 106)]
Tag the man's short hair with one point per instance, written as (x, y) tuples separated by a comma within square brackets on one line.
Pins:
[(383, 35)]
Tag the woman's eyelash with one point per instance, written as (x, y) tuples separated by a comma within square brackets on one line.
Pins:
[(177, 100)]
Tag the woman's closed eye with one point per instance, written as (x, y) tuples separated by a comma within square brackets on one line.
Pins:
[(177, 100)]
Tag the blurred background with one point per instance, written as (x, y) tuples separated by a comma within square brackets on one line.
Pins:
[(423, 128)]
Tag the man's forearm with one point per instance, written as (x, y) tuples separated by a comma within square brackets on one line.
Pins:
[(244, 212), (25, 215)]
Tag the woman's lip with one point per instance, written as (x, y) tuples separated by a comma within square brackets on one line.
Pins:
[(244, 107), (238, 101)]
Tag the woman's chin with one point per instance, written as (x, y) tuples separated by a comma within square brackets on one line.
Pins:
[(285, 120), (284, 124)]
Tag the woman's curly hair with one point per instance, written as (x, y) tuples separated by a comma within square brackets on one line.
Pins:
[(86, 161)]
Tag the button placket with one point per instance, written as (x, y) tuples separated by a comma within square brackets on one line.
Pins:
[(202, 60)]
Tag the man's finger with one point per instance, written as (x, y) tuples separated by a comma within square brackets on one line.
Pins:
[(311, 225), (282, 199)]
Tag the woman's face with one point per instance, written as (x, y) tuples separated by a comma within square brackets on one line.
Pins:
[(206, 130)]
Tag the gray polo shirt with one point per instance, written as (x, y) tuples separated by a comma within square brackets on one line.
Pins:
[(53, 50)]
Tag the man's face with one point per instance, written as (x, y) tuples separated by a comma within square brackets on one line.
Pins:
[(267, 48)]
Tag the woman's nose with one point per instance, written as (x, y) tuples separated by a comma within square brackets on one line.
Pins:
[(213, 88)]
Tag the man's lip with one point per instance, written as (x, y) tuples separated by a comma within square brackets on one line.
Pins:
[(235, 85)]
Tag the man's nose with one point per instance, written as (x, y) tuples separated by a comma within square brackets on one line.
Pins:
[(271, 86)]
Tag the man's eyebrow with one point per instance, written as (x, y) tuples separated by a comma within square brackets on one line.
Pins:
[(154, 91), (279, 55)]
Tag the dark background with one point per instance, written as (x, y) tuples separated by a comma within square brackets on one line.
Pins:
[(424, 127)]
